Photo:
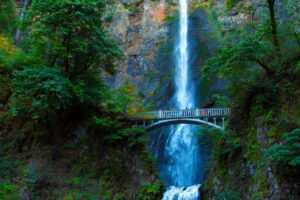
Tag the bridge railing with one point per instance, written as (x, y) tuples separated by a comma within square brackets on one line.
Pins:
[(185, 113)]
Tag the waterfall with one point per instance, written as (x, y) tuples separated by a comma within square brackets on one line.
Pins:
[(176, 148), (181, 151), (183, 97), (22, 15)]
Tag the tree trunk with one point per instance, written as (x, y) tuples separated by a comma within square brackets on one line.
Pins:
[(271, 5)]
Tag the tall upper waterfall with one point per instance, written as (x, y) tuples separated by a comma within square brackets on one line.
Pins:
[(184, 98), (181, 147)]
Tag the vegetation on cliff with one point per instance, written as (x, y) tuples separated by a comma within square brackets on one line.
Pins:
[(63, 131), (260, 63)]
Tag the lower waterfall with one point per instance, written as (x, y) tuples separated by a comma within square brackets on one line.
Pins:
[(182, 193)]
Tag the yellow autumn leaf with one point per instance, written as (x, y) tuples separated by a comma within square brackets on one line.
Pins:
[(6, 46)]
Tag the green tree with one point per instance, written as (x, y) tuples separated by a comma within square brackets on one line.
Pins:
[(70, 35), (8, 19), (68, 49)]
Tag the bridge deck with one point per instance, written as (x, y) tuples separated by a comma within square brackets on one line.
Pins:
[(178, 114)]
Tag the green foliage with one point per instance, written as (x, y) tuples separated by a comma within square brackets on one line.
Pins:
[(220, 100), (10, 58), (231, 3), (232, 60), (287, 152), (75, 181), (114, 166), (61, 72), (134, 135), (8, 191), (151, 191), (228, 195), (39, 91), (229, 146), (133, 7), (8, 188), (124, 99), (252, 150), (7, 166), (76, 45), (170, 18), (258, 62), (53, 85), (8, 19), (137, 137), (210, 135), (224, 144), (293, 9)]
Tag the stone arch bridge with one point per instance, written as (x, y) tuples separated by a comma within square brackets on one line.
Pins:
[(150, 120)]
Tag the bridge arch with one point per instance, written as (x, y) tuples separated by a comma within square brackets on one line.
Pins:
[(163, 123)]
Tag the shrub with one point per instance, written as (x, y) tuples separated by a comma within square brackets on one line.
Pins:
[(228, 195), (39, 90), (288, 151), (151, 191)]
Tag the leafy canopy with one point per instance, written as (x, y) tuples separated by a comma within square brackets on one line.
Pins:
[(8, 19), (71, 36), (40, 90), (69, 49)]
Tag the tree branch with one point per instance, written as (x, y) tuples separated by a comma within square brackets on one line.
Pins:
[(264, 66), (290, 63)]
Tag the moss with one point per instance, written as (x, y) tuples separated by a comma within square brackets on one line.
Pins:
[(252, 150), (204, 4), (135, 8), (7, 47), (262, 182), (8, 191), (170, 18), (231, 3), (151, 191)]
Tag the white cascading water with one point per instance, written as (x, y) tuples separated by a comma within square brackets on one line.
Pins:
[(181, 146)]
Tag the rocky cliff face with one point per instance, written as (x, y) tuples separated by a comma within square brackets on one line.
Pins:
[(146, 31), (250, 175), (139, 28)]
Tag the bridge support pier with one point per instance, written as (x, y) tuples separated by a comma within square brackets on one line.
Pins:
[(223, 122)]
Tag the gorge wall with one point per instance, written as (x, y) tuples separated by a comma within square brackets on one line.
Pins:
[(146, 32)]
